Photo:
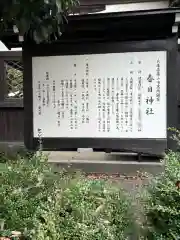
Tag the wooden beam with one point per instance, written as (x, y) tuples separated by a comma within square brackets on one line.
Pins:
[(11, 103), (11, 54), (83, 9), (110, 2), (97, 2)]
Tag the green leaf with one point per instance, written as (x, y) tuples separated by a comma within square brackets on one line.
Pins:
[(31, 15), (3, 167)]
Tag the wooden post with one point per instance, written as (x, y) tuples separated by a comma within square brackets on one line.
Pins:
[(2, 80)]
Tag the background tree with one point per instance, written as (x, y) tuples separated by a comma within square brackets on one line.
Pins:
[(40, 19)]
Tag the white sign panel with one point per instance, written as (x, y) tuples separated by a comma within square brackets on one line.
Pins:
[(115, 95)]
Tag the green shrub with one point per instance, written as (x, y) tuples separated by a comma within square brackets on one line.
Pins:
[(162, 202), (45, 205)]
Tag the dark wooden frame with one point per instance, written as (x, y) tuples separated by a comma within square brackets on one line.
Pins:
[(4, 101), (149, 146)]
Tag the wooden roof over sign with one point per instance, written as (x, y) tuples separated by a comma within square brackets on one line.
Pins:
[(111, 2), (119, 26)]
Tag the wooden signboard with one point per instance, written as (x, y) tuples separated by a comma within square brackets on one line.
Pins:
[(105, 95)]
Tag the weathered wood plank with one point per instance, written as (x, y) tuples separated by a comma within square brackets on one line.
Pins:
[(11, 124)]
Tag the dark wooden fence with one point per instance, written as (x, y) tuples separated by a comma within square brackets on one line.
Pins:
[(11, 97)]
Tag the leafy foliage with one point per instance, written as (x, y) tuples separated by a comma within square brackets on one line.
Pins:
[(42, 204), (15, 82), (162, 202), (38, 18)]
